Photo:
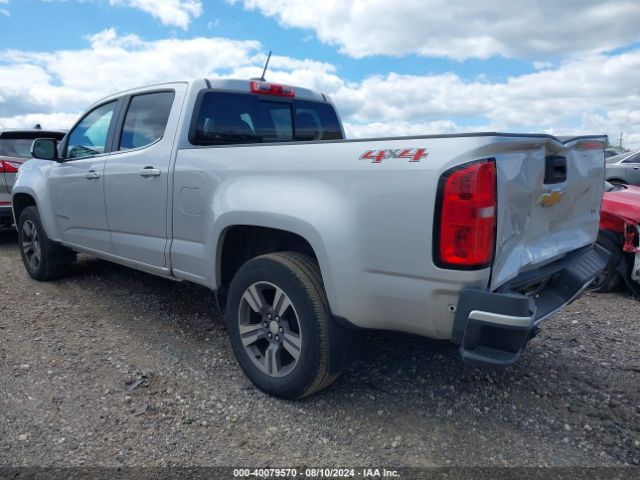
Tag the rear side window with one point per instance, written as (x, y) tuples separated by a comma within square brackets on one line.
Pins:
[(633, 159), (236, 118), (146, 119)]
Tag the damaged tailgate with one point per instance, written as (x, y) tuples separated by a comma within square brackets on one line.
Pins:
[(549, 198)]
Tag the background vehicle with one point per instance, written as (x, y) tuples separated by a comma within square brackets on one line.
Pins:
[(250, 189), (619, 233), (624, 169), (15, 148), (612, 151)]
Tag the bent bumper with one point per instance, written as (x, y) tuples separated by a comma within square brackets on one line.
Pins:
[(493, 328)]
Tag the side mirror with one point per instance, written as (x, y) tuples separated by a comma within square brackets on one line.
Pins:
[(45, 149)]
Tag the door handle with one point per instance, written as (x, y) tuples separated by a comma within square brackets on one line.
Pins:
[(92, 174), (636, 168), (150, 172)]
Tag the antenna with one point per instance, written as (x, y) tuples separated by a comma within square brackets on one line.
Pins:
[(265, 66)]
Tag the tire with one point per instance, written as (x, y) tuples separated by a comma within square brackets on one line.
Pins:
[(617, 182), (609, 278), (43, 259), (290, 346)]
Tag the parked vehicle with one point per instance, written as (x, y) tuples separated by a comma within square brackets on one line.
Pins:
[(15, 148), (249, 188), (624, 169), (619, 233), (612, 151)]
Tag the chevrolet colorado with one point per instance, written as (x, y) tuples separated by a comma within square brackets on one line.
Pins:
[(307, 238)]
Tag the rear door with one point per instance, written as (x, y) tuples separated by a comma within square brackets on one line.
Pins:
[(77, 182), (137, 175)]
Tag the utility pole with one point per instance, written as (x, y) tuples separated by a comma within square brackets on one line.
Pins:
[(620, 140)]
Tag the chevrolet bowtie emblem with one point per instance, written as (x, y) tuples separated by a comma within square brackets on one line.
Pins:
[(550, 198)]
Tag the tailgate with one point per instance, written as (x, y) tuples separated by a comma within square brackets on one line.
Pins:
[(549, 197)]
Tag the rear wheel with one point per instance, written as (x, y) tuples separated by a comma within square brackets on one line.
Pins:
[(281, 327), (609, 278), (43, 259)]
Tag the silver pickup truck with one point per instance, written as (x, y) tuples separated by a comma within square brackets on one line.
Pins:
[(250, 188)]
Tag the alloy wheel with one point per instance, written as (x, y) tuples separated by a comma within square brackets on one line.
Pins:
[(269, 329)]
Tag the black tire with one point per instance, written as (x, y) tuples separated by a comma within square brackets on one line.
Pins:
[(321, 340), (617, 181), (610, 277), (54, 259)]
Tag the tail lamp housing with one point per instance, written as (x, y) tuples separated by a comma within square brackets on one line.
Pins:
[(465, 217), (9, 167), (265, 88)]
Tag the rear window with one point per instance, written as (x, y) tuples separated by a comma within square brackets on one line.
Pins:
[(237, 118), (19, 144)]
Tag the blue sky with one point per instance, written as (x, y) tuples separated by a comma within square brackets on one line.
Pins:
[(563, 66)]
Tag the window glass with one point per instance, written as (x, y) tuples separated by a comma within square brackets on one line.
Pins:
[(316, 121), (16, 147), (89, 137), (633, 159), (234, 118), (18, 144), (146, 119)]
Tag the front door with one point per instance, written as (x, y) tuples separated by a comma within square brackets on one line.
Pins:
[(137, 176), (77, 182)]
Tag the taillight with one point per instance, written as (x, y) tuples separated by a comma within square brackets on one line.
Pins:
[(265, 88), (9, 167), (464, 237)]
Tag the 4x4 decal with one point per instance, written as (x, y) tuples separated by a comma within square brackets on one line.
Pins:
[(413, 154)]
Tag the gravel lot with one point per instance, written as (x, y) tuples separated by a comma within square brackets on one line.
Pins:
[(113, 367)]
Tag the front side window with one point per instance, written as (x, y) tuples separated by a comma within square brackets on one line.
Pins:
[(236, 118), (146, 119), (89, 137)]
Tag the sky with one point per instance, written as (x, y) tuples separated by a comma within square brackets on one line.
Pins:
[(404, 67)]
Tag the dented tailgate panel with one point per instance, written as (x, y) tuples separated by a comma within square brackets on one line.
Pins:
[(538, 222)]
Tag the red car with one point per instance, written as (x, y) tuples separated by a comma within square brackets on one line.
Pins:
[(619, 233)]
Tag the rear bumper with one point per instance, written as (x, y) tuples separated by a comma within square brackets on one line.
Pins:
[(493, 328), (6, 215)]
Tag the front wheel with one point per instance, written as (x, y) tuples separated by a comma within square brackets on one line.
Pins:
[(609, 278), (281, 327), (42, 258)]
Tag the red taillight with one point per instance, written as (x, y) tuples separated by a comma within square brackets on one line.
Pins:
[(467, 202), (265, 88), (9, 167)]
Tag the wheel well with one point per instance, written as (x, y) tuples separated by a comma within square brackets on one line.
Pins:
[(617, 180), (244, 242), (20, 202)]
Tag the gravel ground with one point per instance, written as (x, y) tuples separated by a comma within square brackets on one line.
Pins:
[(114, 367)]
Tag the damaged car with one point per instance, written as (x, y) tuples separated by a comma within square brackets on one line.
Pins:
[(619, 233)]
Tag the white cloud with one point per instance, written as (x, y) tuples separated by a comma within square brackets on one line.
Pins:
[(177, 13), (593, 94), (464, 28)]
